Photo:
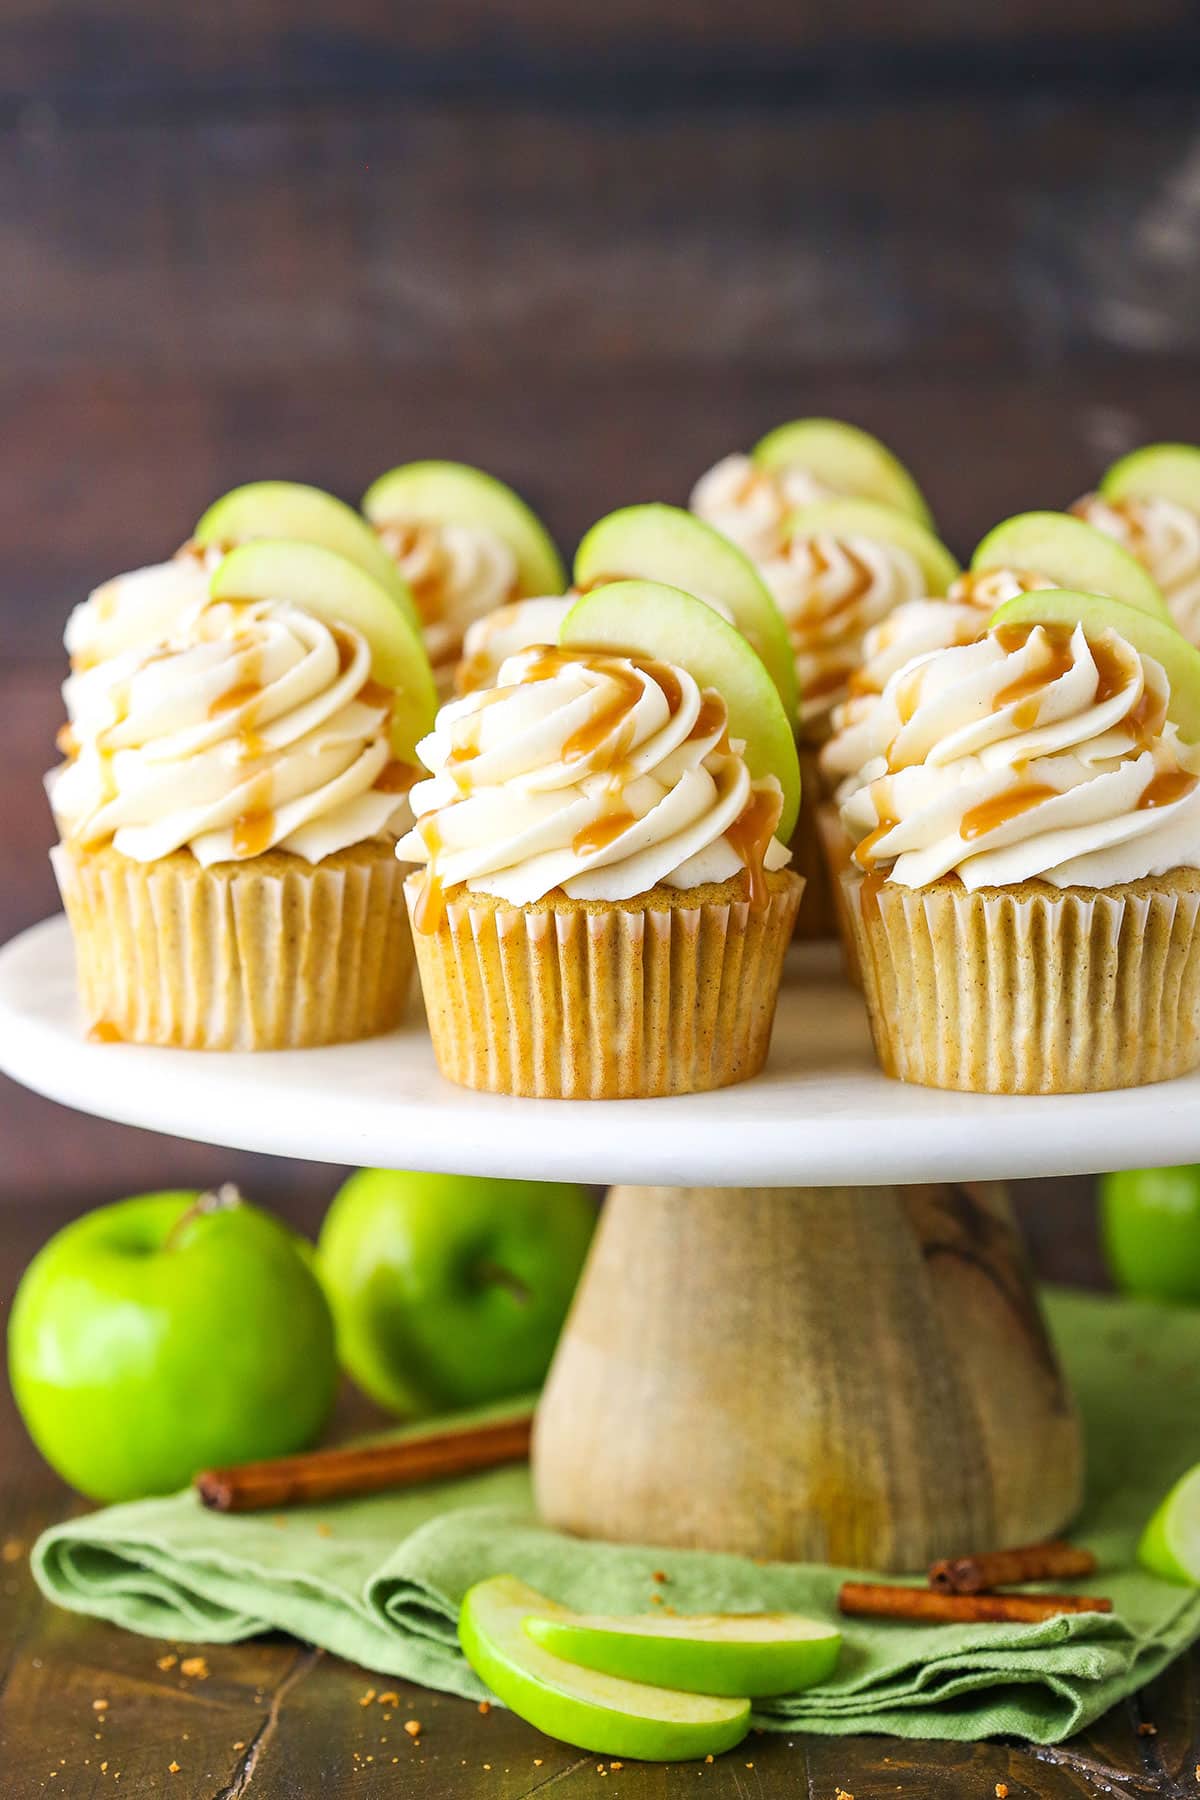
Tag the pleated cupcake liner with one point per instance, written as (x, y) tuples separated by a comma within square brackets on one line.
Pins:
[(270, 954), (1031, 990), (578, 1002)]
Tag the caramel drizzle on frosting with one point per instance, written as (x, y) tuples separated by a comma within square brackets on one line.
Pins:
[(611, 730)]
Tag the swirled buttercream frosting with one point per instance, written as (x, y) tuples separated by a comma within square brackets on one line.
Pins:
[(521, 625), (751, 505), (1037, 752), (256, 727), (1165, 539), (597, 775), (457, 573), (141, 608)]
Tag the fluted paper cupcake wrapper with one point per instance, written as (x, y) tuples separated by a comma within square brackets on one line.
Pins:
[(269, 954), (818, 914), (580, 1003), (1031, 990)]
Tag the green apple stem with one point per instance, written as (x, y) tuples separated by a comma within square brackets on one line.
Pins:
[(494, 1274), (222, 1199)]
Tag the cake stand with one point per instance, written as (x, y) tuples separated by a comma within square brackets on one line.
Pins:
[(852, 1370)]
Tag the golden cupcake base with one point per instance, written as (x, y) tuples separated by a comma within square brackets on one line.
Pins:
[(669, 993), (1030, 989), (274, 953)]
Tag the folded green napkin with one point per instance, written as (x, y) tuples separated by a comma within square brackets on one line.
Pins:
[(380, 1580)]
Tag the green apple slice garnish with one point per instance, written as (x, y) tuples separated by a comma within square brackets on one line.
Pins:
[(1170, 1544), (289, 509), (594, 1711), (1075, 555), (646, 618), (1150, 636), (866, 518), (759, 1654), (1156, 472), (847, 459), (451, 493), (665, 543), (321, 582)]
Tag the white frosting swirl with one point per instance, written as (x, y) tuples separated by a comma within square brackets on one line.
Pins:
[(257, 728), (1165, 539), (591, 773), (457, 573), (141, 608), (831, 591), (751, 505), (521, 625), (914, 629), (1033, 753)]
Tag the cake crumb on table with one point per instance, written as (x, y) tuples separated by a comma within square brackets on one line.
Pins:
[(1002, 1790), (413, 1727), (485, 1707), (366, 1699), (1145, 1729), (166, 1662), (194, 1667)]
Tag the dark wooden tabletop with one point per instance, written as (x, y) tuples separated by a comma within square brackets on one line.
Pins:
[(590, 249)]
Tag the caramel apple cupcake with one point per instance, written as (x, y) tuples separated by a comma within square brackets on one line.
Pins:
[(230, 804), (749, 498), (1030, 553), (466, 545), (1024, 888), (604, 902), (1149, 501)]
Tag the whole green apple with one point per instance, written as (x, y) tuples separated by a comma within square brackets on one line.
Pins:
[(450, 1290), (1150, 1220), (166, 1334)]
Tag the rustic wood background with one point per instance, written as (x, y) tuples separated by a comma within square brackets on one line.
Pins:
[(588, 248)]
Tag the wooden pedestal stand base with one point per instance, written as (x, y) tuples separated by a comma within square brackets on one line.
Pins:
[(856, 1376)]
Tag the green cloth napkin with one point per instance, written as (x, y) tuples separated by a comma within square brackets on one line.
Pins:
[(380, 1580)]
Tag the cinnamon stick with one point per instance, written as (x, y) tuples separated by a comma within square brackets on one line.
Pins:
[(337, 1474), (1056, 1561), (879, 1600)]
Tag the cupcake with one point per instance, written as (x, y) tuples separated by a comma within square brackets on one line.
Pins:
[(1149, 502), (604, 904), (652, 543), (749, 498), (1024, 884), (466, 545), (230, 803), (1029, 553)]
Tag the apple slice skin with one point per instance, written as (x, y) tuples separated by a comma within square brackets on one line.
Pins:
[(622, 1718), (1159, 1550), (1148, 635), (848, 458), (1066, 550), (1156, 472), (647, 618), (667, 544), (333, 589), (453, 493), (697, 1665), (887, 524), (289, 509)]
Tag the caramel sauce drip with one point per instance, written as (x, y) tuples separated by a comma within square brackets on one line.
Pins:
[(1165, 788), (430, 907), (712, 718), (374, 693), (66, 741), (601, 832), (105, 1032), (868, 893), (252, 832), (397, 777), (240, 695), (750, 835), (864, 850), (989, 815)]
